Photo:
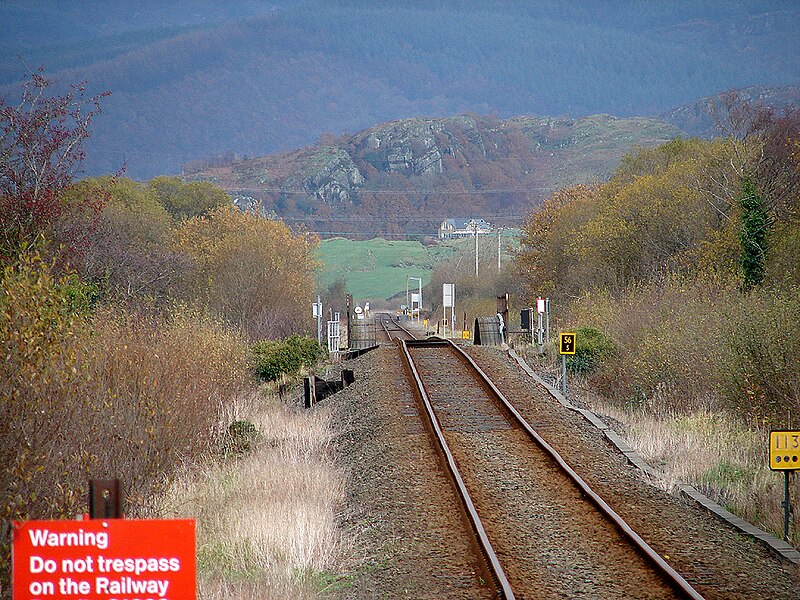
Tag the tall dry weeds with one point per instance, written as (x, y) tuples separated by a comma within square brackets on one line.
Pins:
[(718, 455), (685, 344), (100, 395), (267, 520), (702, 373)]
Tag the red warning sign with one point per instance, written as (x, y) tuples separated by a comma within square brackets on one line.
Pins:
[(114, 559)]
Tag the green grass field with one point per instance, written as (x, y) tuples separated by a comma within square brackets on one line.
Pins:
[(378, 269)]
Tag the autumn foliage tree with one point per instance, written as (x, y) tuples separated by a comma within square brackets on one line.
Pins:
[(656, 259), (545, 261), (184, 200), (128, 254), (763, 154), (668, 210), (251, 272), (41, 149)]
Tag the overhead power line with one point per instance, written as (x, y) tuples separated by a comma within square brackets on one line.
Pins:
[(397, 218), (412, 192), (402, 234)]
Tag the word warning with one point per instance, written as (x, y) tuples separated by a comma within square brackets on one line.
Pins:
[(115, 559)]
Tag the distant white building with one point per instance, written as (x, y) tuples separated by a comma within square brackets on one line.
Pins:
[(457, 228)]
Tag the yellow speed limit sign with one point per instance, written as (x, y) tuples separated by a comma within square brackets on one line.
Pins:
[(567, 344), (784, 450)]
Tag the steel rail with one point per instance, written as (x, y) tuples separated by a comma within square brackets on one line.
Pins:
[(675, 578), (386, 329), (394, 322), (492, 562)]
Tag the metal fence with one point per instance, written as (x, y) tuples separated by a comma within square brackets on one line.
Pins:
[(334, 334)]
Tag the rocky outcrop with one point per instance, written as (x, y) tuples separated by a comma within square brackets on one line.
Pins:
[(502, 166), (330, 175), (412, 146)]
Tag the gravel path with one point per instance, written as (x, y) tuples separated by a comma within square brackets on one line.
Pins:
[(406, 526)]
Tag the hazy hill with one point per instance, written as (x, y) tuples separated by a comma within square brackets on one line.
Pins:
[(699, 118), (406, 176), (192, 79)]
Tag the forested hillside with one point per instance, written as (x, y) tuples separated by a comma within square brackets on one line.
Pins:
[(192, 80)]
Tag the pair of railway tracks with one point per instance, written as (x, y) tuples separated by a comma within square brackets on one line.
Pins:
[(392, 329), (537, 526)]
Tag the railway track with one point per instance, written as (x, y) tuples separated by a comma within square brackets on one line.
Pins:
[(539, 529), (391, 329)]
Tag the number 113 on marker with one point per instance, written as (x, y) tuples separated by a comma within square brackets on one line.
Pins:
[(784, 450), (785, 440)]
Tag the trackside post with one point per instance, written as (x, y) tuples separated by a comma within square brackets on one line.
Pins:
[(566, 346), (784, 455)]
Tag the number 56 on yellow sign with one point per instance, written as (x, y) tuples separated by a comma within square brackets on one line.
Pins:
[(784, 450), (566, 343)]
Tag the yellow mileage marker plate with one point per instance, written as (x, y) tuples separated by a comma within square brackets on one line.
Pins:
[(566, 343), (784, 450)]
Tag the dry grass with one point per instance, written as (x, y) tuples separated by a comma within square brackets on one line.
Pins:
[(266, 521), (108, 393), (102, 394), (685, 343), (703, 371), (716, 454)]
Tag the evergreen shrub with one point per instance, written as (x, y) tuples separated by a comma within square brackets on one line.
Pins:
[(591, 347), (274, 359)]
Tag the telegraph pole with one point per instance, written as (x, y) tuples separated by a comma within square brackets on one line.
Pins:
[(499, 229), (475, 230), (318, 314), (348, 303)]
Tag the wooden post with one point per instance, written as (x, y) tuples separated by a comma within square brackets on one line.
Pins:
[(347, 377), (105, 499), (310, 391)]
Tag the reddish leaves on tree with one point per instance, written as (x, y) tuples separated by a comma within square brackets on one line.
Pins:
[(41, 149)]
